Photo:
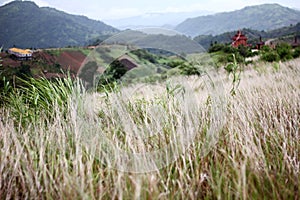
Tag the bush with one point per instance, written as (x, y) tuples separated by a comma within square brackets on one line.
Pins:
[(24, 72), (296, 53), (145, 55), (113, 73), (266, 49), (229, 49), (244, 51), (239, 58), (175, 63), (271, 56), (216, 48), (189, 70), (284, 51)]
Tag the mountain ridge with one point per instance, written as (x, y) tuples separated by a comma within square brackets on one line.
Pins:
[(26, 25), (260, 17)]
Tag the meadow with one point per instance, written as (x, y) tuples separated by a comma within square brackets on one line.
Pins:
[(56, 138)]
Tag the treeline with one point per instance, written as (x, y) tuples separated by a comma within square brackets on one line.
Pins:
[(281, 52), (253, 36)]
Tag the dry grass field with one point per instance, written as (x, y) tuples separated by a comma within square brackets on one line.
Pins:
[(59, 142)]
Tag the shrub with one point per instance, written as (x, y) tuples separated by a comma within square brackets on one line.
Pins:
[(229, 49), (284, 51), (188, 70), (296, 53), (113, 73), (145, 55), (175, 63), (216, 48), (24, 71), (266, 49), (239, 58), (271, 56), (244, 51)]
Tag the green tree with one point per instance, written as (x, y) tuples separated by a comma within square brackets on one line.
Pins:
[(244, 51), (229, 49), (296, 53), (284, 50), (216, 48), (271, 56), (24, 72), (266, 49), (113, 73), (188, 70)]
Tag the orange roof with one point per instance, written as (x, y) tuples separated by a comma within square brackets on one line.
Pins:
[(22, 51)]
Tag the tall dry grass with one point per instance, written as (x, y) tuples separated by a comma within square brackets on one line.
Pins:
[(256, 156)]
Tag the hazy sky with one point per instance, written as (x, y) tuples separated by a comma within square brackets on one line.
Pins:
[(114, 9)]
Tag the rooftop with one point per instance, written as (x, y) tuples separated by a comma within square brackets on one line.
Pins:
[(21, 51)]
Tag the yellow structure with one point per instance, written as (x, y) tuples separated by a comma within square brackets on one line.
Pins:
[(20, 53)]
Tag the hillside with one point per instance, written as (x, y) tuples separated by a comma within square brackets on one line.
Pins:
[(44, 63), (26, 25), (253, 35), (262, 17)]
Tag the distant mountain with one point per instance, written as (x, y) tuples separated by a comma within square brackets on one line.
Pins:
[(262, 17), (25, 25), (252, 35), (166, 20)]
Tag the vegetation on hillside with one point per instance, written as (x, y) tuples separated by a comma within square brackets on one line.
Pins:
[(286, 34), (222, 54), (153, 65), (28, 26), (260, 17), (47, 63), (282, 52)]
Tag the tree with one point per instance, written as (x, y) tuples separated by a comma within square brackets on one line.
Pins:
[(216, 48), (296, 53), (284, 50), (244, 51), (24, 71), (271, 56), (113, 73)]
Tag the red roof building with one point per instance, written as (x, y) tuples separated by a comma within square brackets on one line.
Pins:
[(239, 39)]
